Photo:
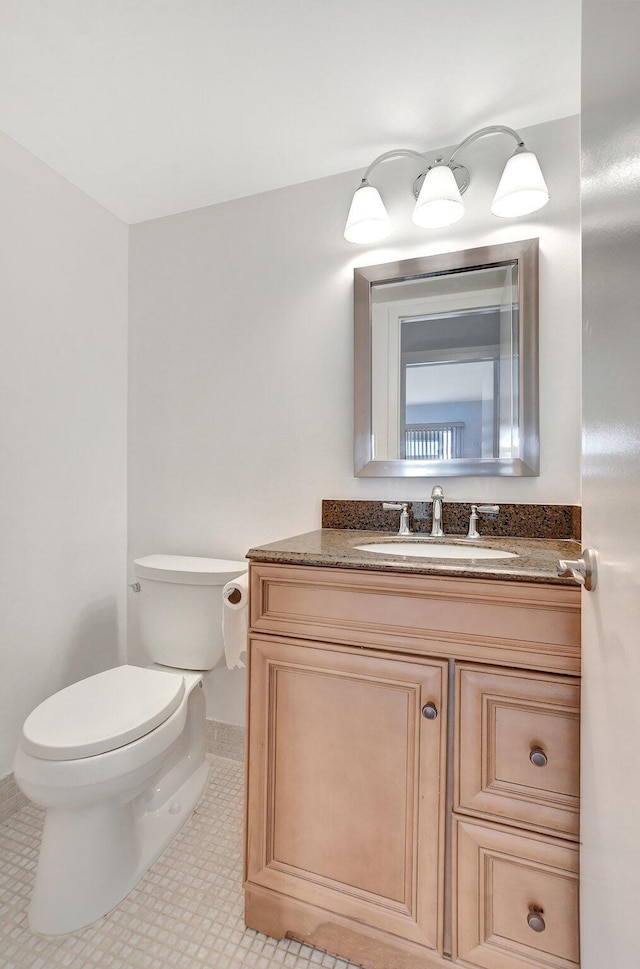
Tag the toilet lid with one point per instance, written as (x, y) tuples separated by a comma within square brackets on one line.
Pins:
[(102, 712)]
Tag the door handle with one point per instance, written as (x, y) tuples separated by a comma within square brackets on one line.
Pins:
[(584, 570)]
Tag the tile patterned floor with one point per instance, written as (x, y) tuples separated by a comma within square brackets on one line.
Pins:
[(186, 913)]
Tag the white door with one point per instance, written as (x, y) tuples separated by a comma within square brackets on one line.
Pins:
[(610, 921)]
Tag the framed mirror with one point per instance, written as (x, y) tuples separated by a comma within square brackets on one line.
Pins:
[(446, 364)]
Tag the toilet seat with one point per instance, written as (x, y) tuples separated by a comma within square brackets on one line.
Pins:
[(102, 713)]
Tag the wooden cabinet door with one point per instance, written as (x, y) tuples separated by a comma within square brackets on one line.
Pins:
[(346, 784)]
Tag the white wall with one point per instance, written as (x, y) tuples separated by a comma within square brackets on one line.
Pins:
[(241, 358), (63, 397)]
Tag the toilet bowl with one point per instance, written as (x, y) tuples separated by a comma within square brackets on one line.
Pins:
[(118, 759)]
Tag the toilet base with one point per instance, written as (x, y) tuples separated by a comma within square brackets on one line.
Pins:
[(91, 857)]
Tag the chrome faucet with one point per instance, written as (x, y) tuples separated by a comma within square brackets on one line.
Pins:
[(405, 528), (491, 511), (437, 497)]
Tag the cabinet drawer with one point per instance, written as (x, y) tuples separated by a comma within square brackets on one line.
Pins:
[(506, 886), (519, 624), (517, 748)]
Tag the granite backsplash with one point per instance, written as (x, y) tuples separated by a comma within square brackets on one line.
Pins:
[(523, 521)]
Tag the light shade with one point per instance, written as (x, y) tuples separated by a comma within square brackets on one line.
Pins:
[(522, 188), (439, 202), (367, 220)]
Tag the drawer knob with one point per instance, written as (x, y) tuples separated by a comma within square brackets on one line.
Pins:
[(535, 920), (430, 711), (538, 758)]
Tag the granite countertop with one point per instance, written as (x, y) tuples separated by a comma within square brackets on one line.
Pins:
[(335, 547)]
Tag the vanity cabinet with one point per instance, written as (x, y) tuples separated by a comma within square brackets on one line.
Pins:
[(412, 793)]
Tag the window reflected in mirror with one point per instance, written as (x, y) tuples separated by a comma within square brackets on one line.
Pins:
[(447, 371), (449, 346)]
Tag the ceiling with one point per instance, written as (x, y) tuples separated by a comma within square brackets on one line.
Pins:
[(159, 106)]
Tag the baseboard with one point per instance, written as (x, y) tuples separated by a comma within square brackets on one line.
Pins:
[(225, 740), (11, 798)]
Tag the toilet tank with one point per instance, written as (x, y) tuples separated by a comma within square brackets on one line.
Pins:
[(180, 608)]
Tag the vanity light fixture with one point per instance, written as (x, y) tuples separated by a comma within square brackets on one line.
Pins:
[(439, 190)]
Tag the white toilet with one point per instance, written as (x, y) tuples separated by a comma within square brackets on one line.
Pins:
[(118, 759)]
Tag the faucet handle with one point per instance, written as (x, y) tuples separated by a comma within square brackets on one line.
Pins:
[(489, 511), (403, 506)]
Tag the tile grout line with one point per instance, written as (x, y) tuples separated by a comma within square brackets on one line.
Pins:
[(186, 913)]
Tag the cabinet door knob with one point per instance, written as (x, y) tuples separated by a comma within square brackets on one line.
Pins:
[(538, 757), (430, 711), (535, 920)]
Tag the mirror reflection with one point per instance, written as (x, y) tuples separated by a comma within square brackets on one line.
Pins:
[(445, 350), (453, 364)]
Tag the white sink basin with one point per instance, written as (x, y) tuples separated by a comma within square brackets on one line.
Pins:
[(427, 550)]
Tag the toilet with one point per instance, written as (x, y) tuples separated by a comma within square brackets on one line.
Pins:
[(118, 759)]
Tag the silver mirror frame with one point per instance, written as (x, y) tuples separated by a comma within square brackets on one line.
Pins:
[(528, 463)]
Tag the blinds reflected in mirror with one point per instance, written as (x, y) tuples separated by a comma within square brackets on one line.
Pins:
[(433, 442)]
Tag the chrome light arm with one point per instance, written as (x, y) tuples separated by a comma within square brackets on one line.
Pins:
[(494, 129), (396, 153), (463, 177)]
